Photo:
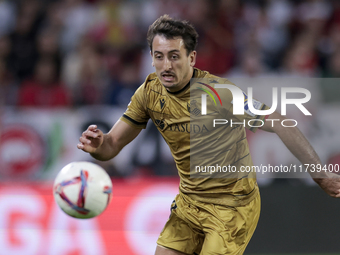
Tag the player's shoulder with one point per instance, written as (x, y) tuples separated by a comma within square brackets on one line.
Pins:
[(151, 83), (211, 78), (211, 81)]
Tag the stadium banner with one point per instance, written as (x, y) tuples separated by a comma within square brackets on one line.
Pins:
[(36, 143), (31, 223)]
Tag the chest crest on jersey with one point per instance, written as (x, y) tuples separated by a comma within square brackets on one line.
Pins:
[(193, 107)]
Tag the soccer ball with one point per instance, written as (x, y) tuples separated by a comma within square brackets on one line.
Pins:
[(82, 190)]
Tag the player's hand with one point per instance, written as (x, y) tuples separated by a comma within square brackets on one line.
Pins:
[(330, 185), (91, 139)]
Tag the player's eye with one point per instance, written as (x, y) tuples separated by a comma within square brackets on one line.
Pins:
[(158, 57), (174, 56)]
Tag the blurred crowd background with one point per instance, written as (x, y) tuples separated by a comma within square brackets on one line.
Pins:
[(88, 52)]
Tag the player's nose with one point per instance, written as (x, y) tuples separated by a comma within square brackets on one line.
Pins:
[(167, 64)]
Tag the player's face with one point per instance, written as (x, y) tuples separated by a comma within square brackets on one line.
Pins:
[(173, 65)]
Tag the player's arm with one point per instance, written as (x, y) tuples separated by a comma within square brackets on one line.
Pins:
[(297, 143), (106, 146)]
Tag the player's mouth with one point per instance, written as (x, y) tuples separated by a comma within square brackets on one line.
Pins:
[(168, 77)]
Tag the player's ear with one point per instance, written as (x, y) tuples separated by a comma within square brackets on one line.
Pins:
[(192, 58), (153, 64)]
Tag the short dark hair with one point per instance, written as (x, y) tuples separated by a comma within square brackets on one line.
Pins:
[(171, 28)]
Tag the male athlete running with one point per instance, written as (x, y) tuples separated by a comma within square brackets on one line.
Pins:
[(210, 216)]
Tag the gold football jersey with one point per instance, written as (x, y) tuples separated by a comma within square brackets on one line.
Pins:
[(200, 145)]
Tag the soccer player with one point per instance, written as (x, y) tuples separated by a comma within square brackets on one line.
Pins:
[(209, 216)]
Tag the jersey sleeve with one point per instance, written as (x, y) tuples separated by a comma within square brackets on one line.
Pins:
[(136, 114), (249, 120)]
